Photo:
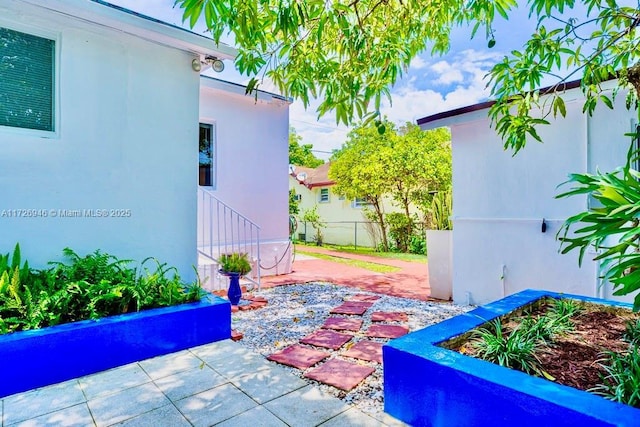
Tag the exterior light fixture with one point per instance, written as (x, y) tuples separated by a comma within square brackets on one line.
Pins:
[(216, 64), (196, 65)]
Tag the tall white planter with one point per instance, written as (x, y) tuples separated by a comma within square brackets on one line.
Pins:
[(439, 261)]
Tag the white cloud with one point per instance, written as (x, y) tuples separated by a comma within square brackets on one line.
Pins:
[(418, 63)]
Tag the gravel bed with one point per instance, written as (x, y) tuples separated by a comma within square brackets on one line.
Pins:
[(297, 310)]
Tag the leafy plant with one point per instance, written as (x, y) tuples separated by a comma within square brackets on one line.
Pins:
[(621, 383), (441, 210), (631, 333), (515, 349), (235, 263), (312, 217)]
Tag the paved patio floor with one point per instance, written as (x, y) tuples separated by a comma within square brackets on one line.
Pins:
[(221, 384)]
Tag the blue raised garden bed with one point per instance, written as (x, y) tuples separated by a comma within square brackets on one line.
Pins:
[(428, 385), (36, 358)]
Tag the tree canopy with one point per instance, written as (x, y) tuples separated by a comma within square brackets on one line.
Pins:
[(300, 154)]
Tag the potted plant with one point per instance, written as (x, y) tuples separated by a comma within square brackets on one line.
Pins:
[(439, 246), (234, 265)]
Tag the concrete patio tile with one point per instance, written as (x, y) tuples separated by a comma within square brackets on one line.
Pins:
[(257, 416), (127, 404), (231, 359), (366, 350), (387, 331), (113, 380), (77, 415), (31, 404), (363, 298), (170, 364), (352, 417), (340, 374), (167, 415), (327, 339), (342, 324), (306, 407), (352, 307), (188, 383), (298, 356), (264, 386), (389, 316), (215, 405)]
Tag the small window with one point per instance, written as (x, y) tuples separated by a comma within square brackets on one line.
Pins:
[(207, 158), (359, 202), (297, 197), (27, 88), (324, 195)]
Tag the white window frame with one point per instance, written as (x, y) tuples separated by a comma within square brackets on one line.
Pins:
[(214, 153), (51, 35), (359, 203), (320, 195)]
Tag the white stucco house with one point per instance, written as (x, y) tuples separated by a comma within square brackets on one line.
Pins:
[(99, 126), (501, 201)]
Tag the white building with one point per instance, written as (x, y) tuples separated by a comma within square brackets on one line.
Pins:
[(107, 157), (500, 201)]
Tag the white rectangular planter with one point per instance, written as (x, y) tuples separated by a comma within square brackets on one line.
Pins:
[(439, 261)]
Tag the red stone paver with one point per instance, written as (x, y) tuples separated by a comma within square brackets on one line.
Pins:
[(387, 331), (236, 335), (328, 339), (352, 307), (298, 356), (412, 281), (388, 316), (366, 350), (340, 374), (363, 298), (342, 324)]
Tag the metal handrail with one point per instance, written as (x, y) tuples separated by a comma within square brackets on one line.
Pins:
[(222, 229)]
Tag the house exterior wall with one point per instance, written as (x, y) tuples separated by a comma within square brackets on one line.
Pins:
[(126, 139), (346, 224), (500, 200), (252, 157)]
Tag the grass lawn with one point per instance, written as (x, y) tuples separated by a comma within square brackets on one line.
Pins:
[(378, 268), (371, 252)]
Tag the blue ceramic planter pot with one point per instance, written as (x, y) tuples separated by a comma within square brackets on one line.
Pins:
[(234, 293)]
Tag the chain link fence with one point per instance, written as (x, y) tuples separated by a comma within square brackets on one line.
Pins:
[(344, 233)]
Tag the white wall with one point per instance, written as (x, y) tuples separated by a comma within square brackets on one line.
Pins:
[(500, 201), (126, 139), (252, 148)]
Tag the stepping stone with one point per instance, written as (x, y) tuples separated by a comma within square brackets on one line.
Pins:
[(328, 339), (363, 298), (342, 324), (366, 350), (382, 316), (387, 331), (352, 307), (298, 356), (340, 374)]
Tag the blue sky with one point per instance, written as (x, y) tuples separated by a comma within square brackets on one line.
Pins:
[(430, 85)]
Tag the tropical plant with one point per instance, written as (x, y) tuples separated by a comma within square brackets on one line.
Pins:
[(515, 349), (621, 382), (632, 332), (441, 210), (300, 154), (312, 217), (235, 263)]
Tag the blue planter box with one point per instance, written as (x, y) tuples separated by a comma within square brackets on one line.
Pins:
[(428, 385), (37, 358)]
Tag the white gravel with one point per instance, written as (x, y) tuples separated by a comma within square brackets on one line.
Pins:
[(294, 311)]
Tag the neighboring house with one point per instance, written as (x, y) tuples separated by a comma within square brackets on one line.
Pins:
[(345, 219), (501, 201), (99, 134)]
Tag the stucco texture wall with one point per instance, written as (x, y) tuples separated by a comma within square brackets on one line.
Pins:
[(500, 200), (126, 138)]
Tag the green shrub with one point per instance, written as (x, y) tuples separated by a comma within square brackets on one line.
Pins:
[(235, 263), (89, 287), (621, 383)]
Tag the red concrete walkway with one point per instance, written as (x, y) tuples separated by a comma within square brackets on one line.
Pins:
[(412, 281)]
